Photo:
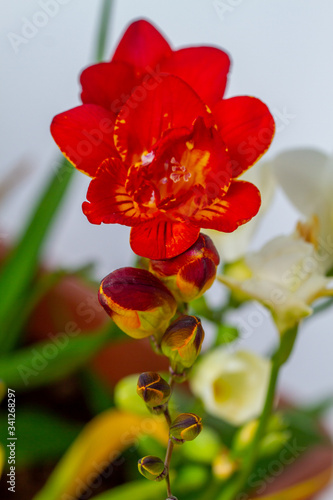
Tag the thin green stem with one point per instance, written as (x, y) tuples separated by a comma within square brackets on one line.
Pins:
[(103, 29), (167, 465), (167, 416), (278, 359)]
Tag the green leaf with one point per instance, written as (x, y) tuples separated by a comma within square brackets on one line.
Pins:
[(188, 480), (35, 432), (138, 490), (318, 409), (20, 267), (45, 362), (97, 394)]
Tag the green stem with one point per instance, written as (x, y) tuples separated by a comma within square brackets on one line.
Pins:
[(278, 359), (103, 30), (167, 465)]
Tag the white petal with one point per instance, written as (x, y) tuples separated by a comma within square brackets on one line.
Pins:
[(242, 378), (301, 174)]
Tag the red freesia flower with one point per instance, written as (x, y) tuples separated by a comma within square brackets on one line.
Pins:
[(162, 161)]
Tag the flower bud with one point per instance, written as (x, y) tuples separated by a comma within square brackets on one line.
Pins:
[(152, 468), (244, 437), (137, 302), (191, 273), (186, 427), (153, 389), (182, 342), (273, 442)]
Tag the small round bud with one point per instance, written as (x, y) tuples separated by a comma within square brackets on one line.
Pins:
[(152, 468), (153, 389), (186, 427), (137, 302), (191, 273), (182, 342)]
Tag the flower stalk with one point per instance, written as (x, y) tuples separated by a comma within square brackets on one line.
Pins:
[(278, 359)]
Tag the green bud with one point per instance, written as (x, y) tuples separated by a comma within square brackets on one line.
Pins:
[(182, 342), (244, 437), (153, 389), (273, 443), (152, 468), (186, 427)]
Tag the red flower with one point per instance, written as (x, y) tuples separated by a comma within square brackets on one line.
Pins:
[(162, 162)]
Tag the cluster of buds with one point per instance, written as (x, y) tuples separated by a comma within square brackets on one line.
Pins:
[(150, 302)]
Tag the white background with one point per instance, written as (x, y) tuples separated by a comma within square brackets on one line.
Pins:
[(281, 52)]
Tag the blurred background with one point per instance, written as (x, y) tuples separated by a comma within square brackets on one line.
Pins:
[(281, 53)]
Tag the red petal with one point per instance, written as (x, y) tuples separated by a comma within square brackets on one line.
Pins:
[(142, 46), (247, 127), (107, 84), (171, 104), (205, 69), (162, 239), (108, 201), (85, 136), (237, 207)]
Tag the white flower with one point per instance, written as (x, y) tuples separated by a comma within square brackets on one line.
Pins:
[(286, 275), (232, 386), (306, 176), (232, 246)]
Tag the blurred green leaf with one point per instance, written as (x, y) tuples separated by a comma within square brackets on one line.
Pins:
[(305, 428), (318, 409), (46, 362), (29, 302), (20, 267), (35, 431), (138, 490), (97, 394), (188, 480)]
